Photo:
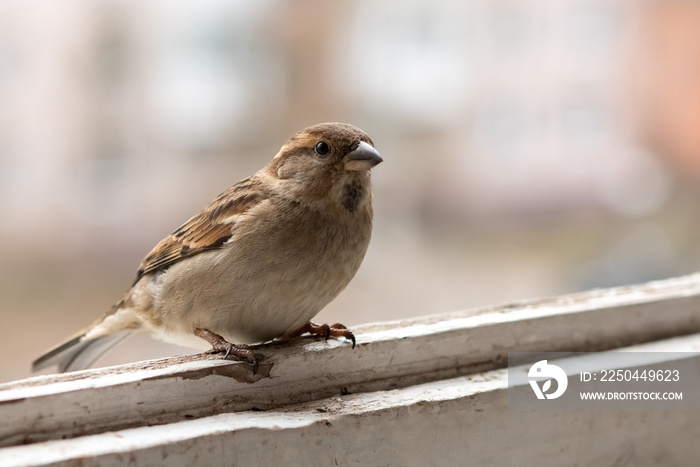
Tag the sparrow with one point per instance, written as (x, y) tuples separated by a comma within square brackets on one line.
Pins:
[(257, 263)]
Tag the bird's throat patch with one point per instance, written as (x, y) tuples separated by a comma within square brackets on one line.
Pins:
[(352, 195)]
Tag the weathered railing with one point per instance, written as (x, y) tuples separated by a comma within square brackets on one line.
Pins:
[(423, 391)]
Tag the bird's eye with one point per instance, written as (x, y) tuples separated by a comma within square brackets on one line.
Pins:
[(322, 148)]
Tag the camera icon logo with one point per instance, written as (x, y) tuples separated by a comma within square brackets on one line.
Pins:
[(541, 370)]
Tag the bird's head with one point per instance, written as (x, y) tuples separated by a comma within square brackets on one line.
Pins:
[(326, 160)]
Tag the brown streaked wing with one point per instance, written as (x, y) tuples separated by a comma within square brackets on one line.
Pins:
[(209, 229)]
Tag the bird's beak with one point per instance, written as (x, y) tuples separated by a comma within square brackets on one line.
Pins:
[(362, 158)]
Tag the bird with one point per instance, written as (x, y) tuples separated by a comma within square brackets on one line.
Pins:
[(255, 264)]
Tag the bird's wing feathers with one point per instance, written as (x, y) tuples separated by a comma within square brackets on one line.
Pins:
[(209, 229)]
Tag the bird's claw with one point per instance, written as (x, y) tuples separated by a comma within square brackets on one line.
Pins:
[(242, 353), (326, 331), (339, 330)]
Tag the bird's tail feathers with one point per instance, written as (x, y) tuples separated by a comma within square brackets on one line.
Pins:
[(78, 353)]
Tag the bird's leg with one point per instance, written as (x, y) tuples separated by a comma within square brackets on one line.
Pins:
[(334, 330), (219, 344)]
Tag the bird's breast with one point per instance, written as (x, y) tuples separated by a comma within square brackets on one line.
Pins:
[(291, 262)]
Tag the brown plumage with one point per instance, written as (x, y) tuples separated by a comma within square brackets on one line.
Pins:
[(256, 263), (209, 229)]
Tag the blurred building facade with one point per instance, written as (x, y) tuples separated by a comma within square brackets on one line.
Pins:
[(115, 112)]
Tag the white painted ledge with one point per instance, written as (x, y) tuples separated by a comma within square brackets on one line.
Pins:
[(391, 360), (457, 421)]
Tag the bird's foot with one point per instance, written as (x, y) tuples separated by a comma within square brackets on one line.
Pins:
[(324, 330), (242, 353)]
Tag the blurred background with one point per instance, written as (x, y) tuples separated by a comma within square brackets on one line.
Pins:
[(531, 147)]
